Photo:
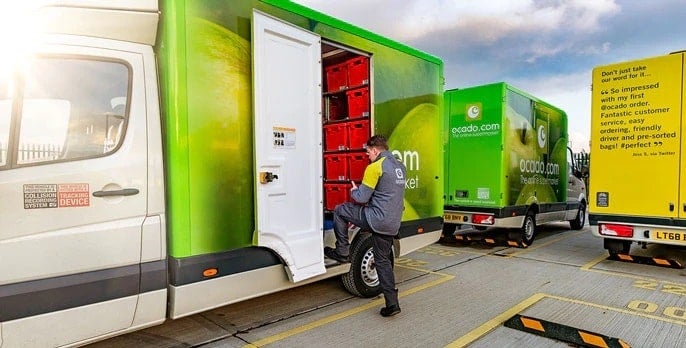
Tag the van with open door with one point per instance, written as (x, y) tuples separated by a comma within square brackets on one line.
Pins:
[(159, 159)]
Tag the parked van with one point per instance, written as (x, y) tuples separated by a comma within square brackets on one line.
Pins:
[(159, 159), (507, 163)]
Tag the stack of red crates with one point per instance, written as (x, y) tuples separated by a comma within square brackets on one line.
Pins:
[(347, 85)]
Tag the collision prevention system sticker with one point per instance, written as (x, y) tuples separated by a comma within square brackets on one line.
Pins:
[(40, 196)]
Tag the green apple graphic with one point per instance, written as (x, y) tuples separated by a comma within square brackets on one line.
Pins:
[(519, 143), (219, 128), (409, 213), (413, 135)]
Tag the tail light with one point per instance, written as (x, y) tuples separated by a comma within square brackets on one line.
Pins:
[(616, 230), (483, 219)]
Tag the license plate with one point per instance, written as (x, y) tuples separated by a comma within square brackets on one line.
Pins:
[(454, 218), (670, 236)]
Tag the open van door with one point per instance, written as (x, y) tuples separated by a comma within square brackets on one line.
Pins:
[(288, 136)]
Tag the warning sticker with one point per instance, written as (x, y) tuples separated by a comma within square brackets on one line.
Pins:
[(41, 196), (73, 195)]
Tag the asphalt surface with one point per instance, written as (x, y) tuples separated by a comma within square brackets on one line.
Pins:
[(561, 291)]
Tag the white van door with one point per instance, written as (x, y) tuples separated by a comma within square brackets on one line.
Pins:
[(288, 138), (73, 179)]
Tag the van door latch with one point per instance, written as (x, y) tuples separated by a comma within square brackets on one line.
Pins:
[(267, 177), (671, 206)]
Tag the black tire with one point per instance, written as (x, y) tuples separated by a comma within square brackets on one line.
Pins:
[(580, 219), (527, 233), (362, 279), (615, 247), (448, 235)]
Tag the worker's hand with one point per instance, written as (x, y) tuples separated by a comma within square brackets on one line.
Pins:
[(354, 186)]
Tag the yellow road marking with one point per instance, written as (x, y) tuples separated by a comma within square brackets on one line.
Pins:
[(540, 245), (589, 267), (486, 327), (332, 318), (473, 335)]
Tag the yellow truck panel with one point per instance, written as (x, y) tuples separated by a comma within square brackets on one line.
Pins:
[(636, 139)]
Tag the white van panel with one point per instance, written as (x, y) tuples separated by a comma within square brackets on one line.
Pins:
[(288, 144)]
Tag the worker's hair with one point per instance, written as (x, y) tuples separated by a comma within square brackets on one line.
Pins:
[(378, 141)]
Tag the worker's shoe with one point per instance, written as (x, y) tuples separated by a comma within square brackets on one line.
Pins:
[(334, 255), (390, 311)]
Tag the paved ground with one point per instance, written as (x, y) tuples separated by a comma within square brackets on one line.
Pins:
[(477, 295)]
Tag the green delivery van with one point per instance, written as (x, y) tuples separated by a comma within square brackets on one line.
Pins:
[(506, 163), (163, 158)]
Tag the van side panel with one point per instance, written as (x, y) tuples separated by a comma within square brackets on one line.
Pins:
[(476, 164), (205, 73)]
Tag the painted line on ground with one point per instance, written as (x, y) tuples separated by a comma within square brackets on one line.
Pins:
[(350, 312), (589, 268), (488, 326), (541, 245)]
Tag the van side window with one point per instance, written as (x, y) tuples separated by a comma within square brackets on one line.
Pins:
[(72, 108)]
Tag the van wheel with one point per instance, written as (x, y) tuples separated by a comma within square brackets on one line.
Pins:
[(448, 235), (362, 279), (525, 236), (615, 247), (580, 219)]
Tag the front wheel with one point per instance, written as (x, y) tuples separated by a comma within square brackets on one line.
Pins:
[(362, 279), (580, 219)]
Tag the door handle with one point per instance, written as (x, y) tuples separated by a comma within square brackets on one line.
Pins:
[(267, 177), (122, 192)]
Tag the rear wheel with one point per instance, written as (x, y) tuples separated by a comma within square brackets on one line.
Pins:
[(448, 234), (615, 247), (362, 279), (580, 219), (526, 234)]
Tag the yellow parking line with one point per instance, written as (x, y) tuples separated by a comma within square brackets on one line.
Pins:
[(486, 327), (540, 245), (332, 318), (619, 310), (473, 335), (589, 267)]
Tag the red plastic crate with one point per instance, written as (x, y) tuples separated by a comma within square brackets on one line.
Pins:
[(335, 167), (335, 194), (358, 134), (335, 137), (358, 71), (358, 102), (357, 162), (337, 107), (337, 77)]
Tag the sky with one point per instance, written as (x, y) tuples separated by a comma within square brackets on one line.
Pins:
[(547, 48)]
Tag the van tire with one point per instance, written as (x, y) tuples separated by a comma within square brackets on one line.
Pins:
[(580, 219), (615, 247), (527, 233), (448, 234), (362, 279)]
